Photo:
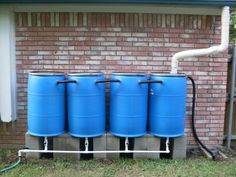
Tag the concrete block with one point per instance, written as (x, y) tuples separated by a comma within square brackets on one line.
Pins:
[(140, 143), (99, 144), (179, 148), (59, 143), (33, 142), (68, 143), (153, 144), (73, 144), (113, 143)]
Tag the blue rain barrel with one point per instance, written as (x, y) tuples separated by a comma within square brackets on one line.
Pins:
[(86, 105), (167, 105), (128, 105), (46, 104)]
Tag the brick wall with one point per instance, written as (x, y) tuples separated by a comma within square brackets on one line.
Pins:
[(108, 42)]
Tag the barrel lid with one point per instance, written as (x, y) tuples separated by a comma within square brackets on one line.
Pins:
[(46, 73), (129, 74), (84, 74), (168, 74)]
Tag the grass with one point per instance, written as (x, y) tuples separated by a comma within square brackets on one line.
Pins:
[(120, 168)]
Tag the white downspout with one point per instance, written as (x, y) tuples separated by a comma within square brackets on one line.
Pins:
[(225, 18)]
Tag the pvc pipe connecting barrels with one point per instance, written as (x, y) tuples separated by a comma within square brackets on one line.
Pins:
[(138, 104)]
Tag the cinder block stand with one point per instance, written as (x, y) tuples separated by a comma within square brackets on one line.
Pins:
[(33, 142), (67, 143), (140, 143), (153, 143), (99, 144), (179, 148), (113, 143), (107, 142)]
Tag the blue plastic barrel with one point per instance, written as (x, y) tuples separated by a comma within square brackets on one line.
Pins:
[(46, 104), (128, 105), (167, 105), (86, 105)]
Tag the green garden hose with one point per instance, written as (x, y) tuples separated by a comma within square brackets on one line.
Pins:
[(11, 166)]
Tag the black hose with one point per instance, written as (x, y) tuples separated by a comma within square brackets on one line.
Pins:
[(193, 120)]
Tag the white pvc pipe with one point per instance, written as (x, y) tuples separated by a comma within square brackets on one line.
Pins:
[(87, 152), (166, 151), (225, 19), (45, 143)]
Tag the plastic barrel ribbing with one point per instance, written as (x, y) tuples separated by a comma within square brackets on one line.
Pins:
[(46, 104), (128, 105), (167, 105), (86, 105)]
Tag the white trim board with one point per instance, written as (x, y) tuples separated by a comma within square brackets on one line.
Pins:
[(7, 66), (115, 8)]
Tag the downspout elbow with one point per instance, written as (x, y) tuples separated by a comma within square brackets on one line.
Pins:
[(225, 18), (223, 47)]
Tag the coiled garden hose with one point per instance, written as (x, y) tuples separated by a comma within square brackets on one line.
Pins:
[(11, 166), (193, 120)]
